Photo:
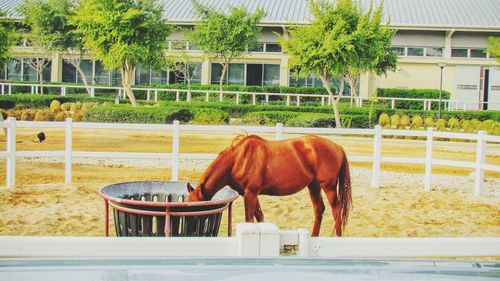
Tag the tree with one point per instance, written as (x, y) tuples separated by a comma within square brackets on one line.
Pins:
[(122, 34), (182, 65), (494, 47), (226, 37), (341, 41), (7, 38), (44, 33)]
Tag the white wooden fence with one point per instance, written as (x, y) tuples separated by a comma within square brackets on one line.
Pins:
[(251, 240), (479, 166), (152, 94)]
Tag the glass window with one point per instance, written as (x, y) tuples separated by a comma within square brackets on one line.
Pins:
[(159, 77), (178, 45), (477, 53), (195, 69), (29, 73), (175, 77), (271, 74), (14, 70), (101, 75), (216, 73), (86, 66), (192, 46), (296, 80), (2, 71), (258, 48), (142, 75), (273, 48), (116, 77), (415, 52), (459, 53), (68, 72), (399, 51), (254, 74), (434, 52), (47, 72), (237, 74)]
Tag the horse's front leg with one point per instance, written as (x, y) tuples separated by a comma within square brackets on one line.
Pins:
[(251, 203), (259, 216)]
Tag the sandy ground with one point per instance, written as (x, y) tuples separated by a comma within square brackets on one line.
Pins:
[(42, 205)]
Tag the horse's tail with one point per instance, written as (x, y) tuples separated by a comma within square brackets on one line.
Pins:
[(344, 195)]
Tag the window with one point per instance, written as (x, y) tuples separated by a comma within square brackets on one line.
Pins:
[(86, 66), (2, 71), (477, 53), (271, 75), (258, 48), (178, 45), (399, 51), (254, 74), (30, 74), (415, 52), (296, 80), (273, 48), (14, 70), (434, 52), (459, 53), (236, 74), (142, 75), (116, 77), (216, 74), (101, 76), (159, 77), (192, 46), (68, 72)]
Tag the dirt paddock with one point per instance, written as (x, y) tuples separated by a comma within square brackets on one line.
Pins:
[(42, 205)]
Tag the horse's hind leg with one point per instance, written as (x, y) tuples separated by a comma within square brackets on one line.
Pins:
[(251, 202), (318, 205), (331, 194), (259, 216)]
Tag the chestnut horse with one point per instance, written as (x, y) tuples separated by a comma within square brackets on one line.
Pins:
[(253, 166)]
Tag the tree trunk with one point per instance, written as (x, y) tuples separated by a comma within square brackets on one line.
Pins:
[(352, 81), (40, 77), (221, 82), (76, 64), (189, 88), (335, 101), (127, 73)]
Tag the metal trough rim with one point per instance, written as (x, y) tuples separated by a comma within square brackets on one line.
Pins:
[(166, 204)]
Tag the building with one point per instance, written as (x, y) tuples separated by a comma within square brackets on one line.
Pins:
[(451, 33)]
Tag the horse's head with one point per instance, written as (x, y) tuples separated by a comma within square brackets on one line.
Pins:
[(195, 194)]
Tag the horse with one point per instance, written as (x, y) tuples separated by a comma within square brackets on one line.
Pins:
[(252, 166)]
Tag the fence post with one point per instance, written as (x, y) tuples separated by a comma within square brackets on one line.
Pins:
[(253, 99), (175, 151), (156, 95), (322, 101), (68, 159), (1, 84), (237, 98), (287, 100), (248, 236), (92, 92), (298, 100), (304, 243), (269, 239), (393, 103), (63, 91), (32, 90), (428, 160), (480, 157), (221, 96), (377, 153), (267, 98), (148, 95), (11, 149), (177, 95), (207, 96), (279, 131), (10, 89)]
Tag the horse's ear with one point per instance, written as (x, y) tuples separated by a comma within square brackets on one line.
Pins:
[(189, 188)]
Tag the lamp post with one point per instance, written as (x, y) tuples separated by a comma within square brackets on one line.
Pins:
[(441, 66)]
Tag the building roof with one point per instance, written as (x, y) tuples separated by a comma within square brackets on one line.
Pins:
[(410, 14)]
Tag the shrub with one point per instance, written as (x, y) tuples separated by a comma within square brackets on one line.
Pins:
[(7, 104), (54, 105), (428, 122), (66, 106), (395, 121), (405, 121), (27, 115), (384, 119), (441, 124), (209, 116), (417, 122), (453, 123), (328, 120), (41, 101), (60, 116), (268, 117), (128, 114), (73, 108)]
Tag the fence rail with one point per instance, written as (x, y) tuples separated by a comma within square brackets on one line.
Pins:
[(479, 166), (152, 94), (252, 240)]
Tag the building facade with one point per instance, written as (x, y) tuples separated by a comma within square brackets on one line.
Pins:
[(435, 39)]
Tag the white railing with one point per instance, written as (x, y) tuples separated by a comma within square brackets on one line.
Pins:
[(479, 166), (152, 94), (252, 240)]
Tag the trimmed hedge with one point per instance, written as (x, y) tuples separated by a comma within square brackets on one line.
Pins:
[(328, 121), (413, 94), (41, 101), (268, 117)]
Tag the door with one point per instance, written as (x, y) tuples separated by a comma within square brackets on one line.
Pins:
[(467, 92)]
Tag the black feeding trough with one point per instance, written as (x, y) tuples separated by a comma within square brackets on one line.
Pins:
[(157, 208)]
